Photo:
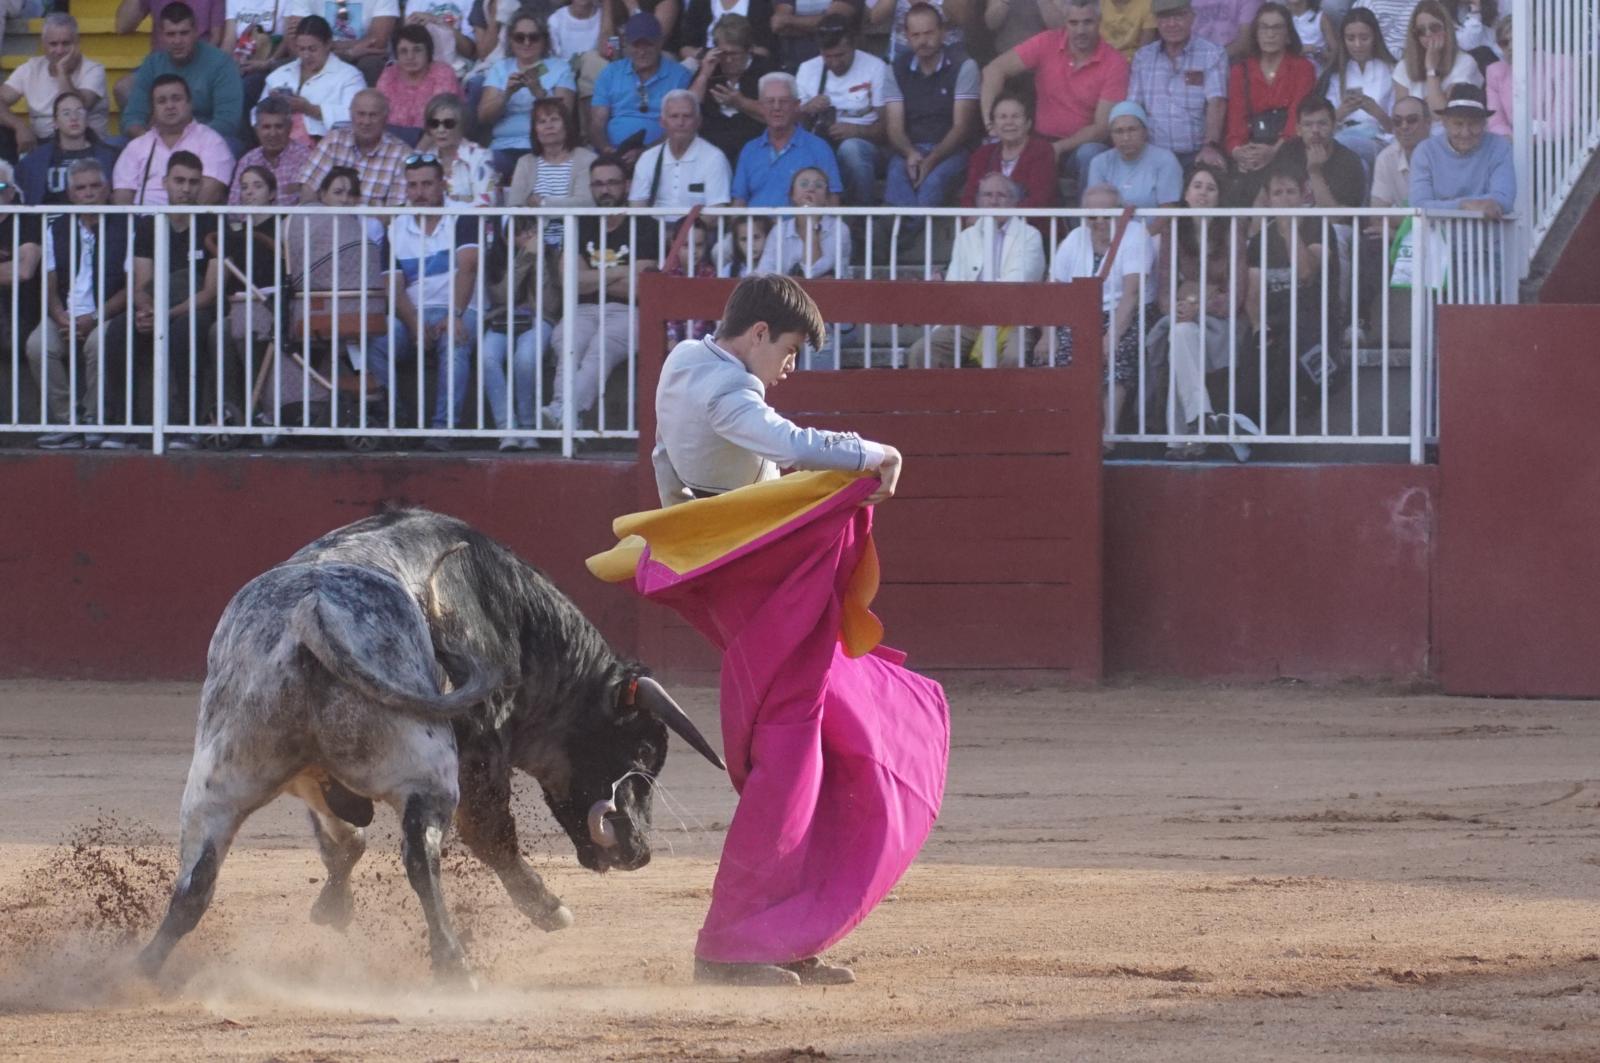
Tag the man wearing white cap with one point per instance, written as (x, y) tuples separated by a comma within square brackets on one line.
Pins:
[(1146, 175), (1468, 168)]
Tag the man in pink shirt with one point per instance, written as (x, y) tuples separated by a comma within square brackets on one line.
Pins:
[(141, 170), (1078, 78)]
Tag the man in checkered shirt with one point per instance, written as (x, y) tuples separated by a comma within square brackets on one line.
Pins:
[(1181, 80), (378, 157)]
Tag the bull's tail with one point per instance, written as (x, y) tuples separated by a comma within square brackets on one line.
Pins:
[(368, 632)]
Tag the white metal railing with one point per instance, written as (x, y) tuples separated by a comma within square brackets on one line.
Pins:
[(309, 343), (1555, 112)]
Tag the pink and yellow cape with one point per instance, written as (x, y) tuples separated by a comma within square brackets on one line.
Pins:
[(837, 751)]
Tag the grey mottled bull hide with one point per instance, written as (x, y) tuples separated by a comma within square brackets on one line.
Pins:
[(409, 659)]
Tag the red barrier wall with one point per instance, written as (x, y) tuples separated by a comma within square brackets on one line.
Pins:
[(1259, 571), (118, 565), (1519, 558), (1574, 278)]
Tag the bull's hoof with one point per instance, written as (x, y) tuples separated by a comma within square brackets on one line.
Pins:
[(558, 918), (333, 908), (456, 978)]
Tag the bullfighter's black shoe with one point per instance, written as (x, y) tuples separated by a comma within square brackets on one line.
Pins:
[(708, 972), (813, 971)]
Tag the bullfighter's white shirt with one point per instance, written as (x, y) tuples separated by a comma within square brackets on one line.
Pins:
[(715, 431)]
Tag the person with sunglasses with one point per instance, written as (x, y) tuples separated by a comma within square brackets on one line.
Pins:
[(317, 85), (469, 174), (516, 83), (1433, 64)]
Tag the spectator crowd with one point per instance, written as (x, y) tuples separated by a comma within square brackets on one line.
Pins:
[(766, 103)]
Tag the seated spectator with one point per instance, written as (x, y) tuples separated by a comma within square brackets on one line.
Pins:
[(1127, 25), (727, 84), (1227, 24), (1299, 267), (1125, 288), (1468, 168), (74, 326), (1497, 81), (795, 24), (1391, 173), (1199, 260), (470, 177), (767, 165), (362, 32), (843, 91), (42, 175), (1017, 152), (1335, 174), (1475, 22), (1315, 30), (931, 115), (615, 13), (317, 85), (286, 158), (694, 260), (1181, 81), (1432, 64), (698, 28), (575, 39), (1360, 85), (40, 81), (519, 319), (140, 175), (683, 170), (993, 249), (892, 13), (210, 18), (515, 83), (556, 173), (256, 33), (193, 366), (19, 281), (1265, 89), (609, 257), (336, 249), (624, 116), (366, 147), (250, 248), (1394, 17), (432, 290), (215, 91), (808, 245), (1143, 174), (740, 256), (1078, 78), (455, 38), (414, 78)]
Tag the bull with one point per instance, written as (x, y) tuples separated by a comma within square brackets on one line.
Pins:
[(411, 660)]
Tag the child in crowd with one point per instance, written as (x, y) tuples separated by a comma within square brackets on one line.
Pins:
[(694, 260), (749, 242), (1315, 28)]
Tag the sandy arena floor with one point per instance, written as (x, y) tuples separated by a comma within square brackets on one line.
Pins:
[(1150, 873)]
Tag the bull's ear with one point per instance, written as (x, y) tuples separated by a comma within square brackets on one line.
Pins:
[(653, 698)]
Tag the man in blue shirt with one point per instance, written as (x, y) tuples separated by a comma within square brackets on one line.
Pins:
[(769, 162), (1466, 168), (625, 115)]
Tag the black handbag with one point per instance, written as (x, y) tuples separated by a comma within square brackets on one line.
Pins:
[(1264, 127)]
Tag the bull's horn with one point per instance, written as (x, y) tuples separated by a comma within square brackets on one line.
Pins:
[(654, 697), (600, 829)]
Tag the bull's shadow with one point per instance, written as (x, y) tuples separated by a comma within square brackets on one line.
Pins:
[(410, 659)]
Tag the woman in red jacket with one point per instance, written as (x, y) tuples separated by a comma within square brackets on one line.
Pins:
[(1265, 89), (1019, 153)]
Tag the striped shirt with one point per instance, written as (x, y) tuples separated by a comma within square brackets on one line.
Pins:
[(552, 179)]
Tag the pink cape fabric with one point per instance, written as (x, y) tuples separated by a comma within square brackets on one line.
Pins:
[(839, 761)]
